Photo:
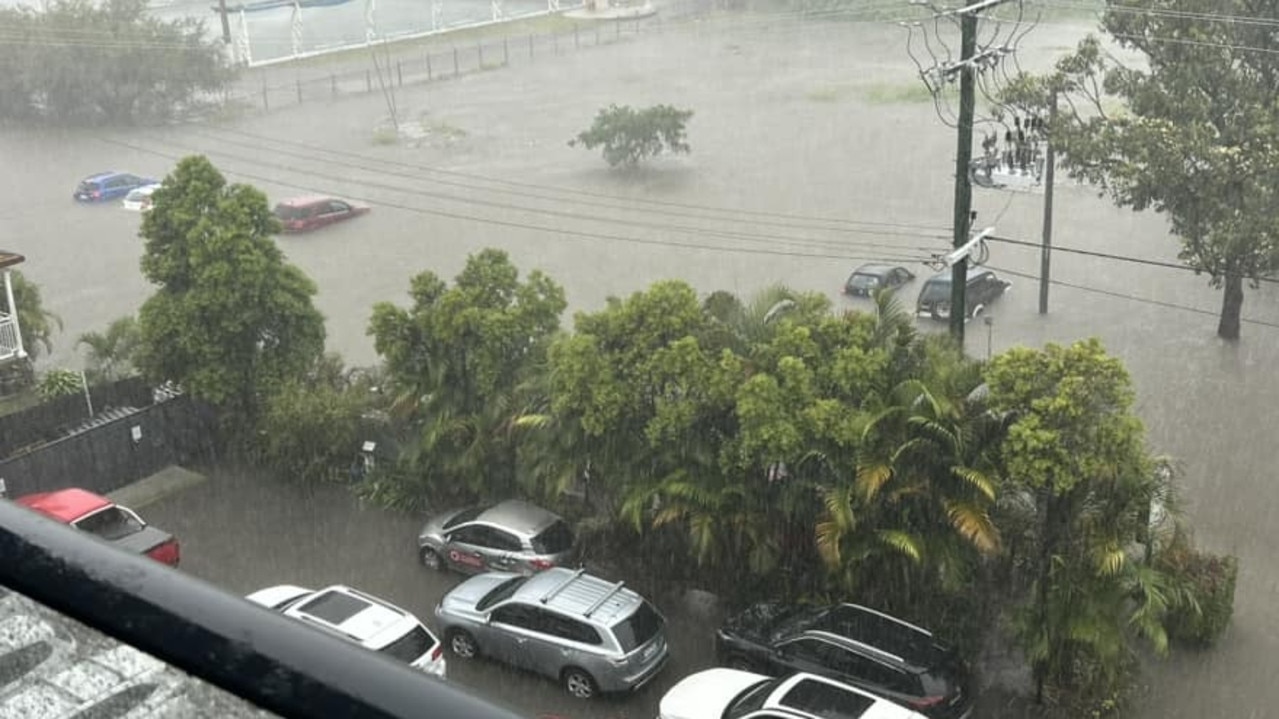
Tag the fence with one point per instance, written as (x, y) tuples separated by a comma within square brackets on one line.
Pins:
[(119, 447), (392, 66), (49, 420)]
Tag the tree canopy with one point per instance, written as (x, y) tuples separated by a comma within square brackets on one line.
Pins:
[(627, 135), (1192, 134), (231, 320), (85, 61)]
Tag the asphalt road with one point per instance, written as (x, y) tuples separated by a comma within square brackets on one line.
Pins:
[(793, 123)]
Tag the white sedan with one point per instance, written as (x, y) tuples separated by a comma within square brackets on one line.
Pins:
[(139, 200), (734, 694)]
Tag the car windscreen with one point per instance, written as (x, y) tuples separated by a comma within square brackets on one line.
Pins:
[(86, 186), (465, 515), (641, 626), (751, 699), (826, 700), (863, 282), (935, 290), (111, 524), (410, 647), (554, 539), (500, 592)]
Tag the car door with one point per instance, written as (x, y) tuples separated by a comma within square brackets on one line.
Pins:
[(805, 654), (556, 642), (336, 211), (513, 626), (503, 551), (467, 549)]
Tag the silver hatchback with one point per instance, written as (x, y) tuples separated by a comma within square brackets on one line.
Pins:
[(512, 536), (589, 634)]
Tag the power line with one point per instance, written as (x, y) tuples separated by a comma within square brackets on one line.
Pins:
[(1110, 256)]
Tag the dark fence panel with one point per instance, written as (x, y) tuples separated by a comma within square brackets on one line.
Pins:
[(117, 452), (45, 422)]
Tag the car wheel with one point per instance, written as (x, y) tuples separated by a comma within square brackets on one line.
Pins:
[(579, 684), (430, 559), (977, 311), (463, 645)]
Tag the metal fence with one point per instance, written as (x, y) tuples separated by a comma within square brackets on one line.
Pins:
[(51, 419)]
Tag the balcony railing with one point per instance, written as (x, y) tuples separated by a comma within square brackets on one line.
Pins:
[(8, 336), (264, 658)]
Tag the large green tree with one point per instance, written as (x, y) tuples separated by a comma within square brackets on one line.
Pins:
[(231, 321), (457, 357), (1192, 131), (84, 61)]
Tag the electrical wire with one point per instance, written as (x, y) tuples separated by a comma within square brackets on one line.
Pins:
[(1111, 256)]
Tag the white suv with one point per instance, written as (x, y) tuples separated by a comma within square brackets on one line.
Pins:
[(735, 694), (359, 618)]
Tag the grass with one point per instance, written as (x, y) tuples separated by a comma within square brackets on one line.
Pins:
[(385, 136), (823, 94), (903, 94)]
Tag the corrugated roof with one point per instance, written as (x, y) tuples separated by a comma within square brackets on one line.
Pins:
[(9, 259)]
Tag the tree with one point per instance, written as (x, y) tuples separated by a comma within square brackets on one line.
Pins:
[(111, 354), (83, 61), (1077, 452), (457, 358), (231, 321), (59, 383), (38, 324), (1193, 134), (628, 136)]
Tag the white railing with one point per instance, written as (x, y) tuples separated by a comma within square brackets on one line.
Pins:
[(9, 346)]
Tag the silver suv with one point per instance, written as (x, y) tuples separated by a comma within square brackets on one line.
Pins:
[(590, 634), (512, 536)]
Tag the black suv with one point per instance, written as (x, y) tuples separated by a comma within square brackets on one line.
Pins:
[(872, 650), (983, 288)]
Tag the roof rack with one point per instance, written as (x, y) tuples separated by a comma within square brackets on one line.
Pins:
[(550, 594), (600, 602)]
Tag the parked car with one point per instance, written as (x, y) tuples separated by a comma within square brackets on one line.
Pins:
[(590, 634), (108, 186), (363, 619), (511, 536), (106, 520), (849, 642), (876, 275), (302, 214), (735, 694), (983, 288), (139, 200)]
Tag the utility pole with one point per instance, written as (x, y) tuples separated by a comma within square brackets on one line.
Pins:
[(963, 158), (1045, 255), (226, 22)]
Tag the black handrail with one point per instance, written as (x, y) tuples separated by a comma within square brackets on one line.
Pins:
[(278, 664)]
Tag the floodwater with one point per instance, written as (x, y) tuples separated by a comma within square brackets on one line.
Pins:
[(803, 165)]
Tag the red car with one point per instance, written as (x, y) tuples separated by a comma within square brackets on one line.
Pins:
[(302, 214), (107, 520)]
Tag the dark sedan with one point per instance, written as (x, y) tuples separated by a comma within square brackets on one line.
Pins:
[(856, 644), (876, 275)]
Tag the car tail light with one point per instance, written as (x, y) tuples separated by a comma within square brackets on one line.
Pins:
[(168, 553), (437, 652), (540, 564), (97, 194), (926, 702)]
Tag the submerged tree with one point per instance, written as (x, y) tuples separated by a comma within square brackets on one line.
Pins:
[(628, 136)]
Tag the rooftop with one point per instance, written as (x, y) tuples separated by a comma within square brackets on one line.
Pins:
[(518, 516), (9, 259)]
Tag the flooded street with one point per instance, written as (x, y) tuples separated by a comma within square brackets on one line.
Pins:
[(812, 151)]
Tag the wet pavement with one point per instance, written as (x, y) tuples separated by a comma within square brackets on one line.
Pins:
[(794, 128)]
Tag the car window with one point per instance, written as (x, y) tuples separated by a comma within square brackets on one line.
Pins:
[(935, 289), (876, 673), (337, 206), (289, 212), (826, 700), (641, 626), (751, 698), (474, 534), (813, 651), (500, 592), (505, 541), (571, 629), (111, 523), (517, 615), (863, 281), (410, 647), (554, 539)]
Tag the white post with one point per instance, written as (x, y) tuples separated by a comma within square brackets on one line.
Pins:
[(370, 21), (296, 29), (497, 10), (244, 51), (13, 313), (88, 399), (437, 14)]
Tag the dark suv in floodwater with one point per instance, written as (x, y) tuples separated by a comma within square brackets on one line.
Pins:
[(984, 287), (869, 649)]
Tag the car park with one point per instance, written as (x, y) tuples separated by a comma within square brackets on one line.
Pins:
[(303, 214), (363, 619), (511, 536), (983, 287), (852, 643), (734, 694), (106, 186), (106, 520), (139, 200), (875, 276), (589, 634)]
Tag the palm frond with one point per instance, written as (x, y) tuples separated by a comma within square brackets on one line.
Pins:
[(973, 523), (904, 543)]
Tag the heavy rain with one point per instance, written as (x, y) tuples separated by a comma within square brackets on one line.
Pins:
[(817, 144)]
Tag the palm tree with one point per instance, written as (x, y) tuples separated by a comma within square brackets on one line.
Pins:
[(37, 323), (111, 353)]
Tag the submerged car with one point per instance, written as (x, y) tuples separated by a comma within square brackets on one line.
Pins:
[(511, 536), (99, 516), (983, 287), (360, 618), (874, 276), (303, 214), (108, 186), (735, 694), (864, 647), (589, 634), (139, 200)]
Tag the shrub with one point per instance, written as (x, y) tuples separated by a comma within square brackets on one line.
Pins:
[(60, 382), (1212, 581), (628, 135)]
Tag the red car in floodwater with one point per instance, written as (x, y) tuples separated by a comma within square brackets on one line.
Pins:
[(302, 214), (106, 520)]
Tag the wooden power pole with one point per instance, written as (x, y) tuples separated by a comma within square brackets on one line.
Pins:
[(1045, 254), (963, 182), (226, 22)]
